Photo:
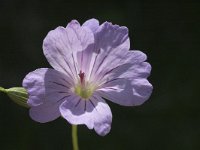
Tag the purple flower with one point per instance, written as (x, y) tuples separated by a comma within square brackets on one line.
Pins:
[(91, 63)]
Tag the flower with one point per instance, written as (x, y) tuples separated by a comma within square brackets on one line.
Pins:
[(91, 63)]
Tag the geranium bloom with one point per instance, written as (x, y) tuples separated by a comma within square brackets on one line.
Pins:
[(91, 63)]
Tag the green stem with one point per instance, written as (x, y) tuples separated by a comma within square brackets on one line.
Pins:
[(74, 137), (2, 90)]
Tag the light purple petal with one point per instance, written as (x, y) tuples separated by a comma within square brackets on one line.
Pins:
[(45, 112), (94, 113), (46, 85), (140, 70), (86, 37), (62, 45), (111, 43), (126, 83), (73, 24), (116, 60), (128, 70), (92, 24), (109, 36), (127, 92)]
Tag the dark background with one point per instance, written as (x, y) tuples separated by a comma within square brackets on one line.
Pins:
[(168, 32)]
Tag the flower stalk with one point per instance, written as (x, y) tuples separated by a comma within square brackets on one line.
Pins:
[(74, 137)]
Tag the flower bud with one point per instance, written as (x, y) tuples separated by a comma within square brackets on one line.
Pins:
[(17, 94)]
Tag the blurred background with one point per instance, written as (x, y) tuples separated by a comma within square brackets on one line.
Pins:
[(168, 32)]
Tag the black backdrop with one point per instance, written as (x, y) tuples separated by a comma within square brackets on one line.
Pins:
[(168, 32)]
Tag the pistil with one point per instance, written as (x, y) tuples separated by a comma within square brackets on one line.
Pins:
[(82, 77)]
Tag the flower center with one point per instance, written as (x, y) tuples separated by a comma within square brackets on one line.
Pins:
[(84, 89)]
